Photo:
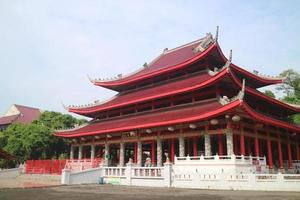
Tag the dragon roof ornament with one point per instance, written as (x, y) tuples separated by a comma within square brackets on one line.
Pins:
[(216, 70), (224, 100)]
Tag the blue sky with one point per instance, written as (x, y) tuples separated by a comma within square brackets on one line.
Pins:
[(47, 48)]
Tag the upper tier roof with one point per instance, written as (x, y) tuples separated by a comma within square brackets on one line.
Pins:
[(181, 57), (198, 81), (166, 61)]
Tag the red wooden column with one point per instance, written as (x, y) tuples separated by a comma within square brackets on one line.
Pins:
[(242, 142), (135, 152), (256, 143), (220, 144), (289, 151), (270, 153), (280, 159), (195, 147), (172, 149), (153, 153)]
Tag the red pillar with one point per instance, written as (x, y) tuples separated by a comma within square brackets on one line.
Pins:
[(135, 152), (270, 154), (153, 153), (195, 147), (280, 159), (256, 144), (289, 155), (242, 142), (172, 149), (220, 146)]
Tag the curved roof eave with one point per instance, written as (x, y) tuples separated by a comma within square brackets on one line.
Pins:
[(257, 93), (213, 113), (208, 82), (266, 80), (269, 120)]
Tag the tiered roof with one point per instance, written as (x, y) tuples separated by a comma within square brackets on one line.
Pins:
[(214, 68)]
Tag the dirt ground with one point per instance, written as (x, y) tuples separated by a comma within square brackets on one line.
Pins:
[(109, 192)]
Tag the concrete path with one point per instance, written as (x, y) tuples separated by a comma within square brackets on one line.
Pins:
[(103, 192), (28, 181)]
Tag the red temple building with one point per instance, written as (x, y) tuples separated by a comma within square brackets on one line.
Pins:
[(190, 100)]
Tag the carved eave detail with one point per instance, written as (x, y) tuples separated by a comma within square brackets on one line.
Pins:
[(208, 40), (224, 100)]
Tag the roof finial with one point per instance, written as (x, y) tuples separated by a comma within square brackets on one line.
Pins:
[(230, 55), (64, 106), (217, 34), (92, 80), (242, 92)]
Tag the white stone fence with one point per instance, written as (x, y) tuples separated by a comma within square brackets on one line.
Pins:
[(220, 159), (192, 175)]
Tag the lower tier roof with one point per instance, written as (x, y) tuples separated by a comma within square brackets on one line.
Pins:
[(171, 116), (167, 117)]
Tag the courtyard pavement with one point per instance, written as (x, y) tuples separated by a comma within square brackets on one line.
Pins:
[(109, 192)]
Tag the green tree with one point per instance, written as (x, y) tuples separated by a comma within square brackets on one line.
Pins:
[(291, 88), (36, 140), (270, 93)]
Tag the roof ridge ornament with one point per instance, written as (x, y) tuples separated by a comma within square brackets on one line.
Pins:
[(217, 34), (224, 100), (241, 94), (90, 79), (230, 55), (64, 106), (208, 40)]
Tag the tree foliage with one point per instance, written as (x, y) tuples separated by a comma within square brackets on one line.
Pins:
[(291, 88), (269, 93), (36, 140)]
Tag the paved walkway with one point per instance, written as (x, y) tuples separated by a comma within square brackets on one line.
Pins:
[(103, 192), (29, 181)]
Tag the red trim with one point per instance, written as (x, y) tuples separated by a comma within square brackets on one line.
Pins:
[(155, 73), (213, 113), (269, 120), (259, 94), (208, 82)]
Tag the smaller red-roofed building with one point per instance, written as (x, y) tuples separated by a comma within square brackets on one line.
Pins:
[(19, 114)]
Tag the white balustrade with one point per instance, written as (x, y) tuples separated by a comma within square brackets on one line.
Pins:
[(147, 172)]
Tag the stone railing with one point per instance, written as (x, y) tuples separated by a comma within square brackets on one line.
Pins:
[(221, 159), (114, 171), (147, 172)]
